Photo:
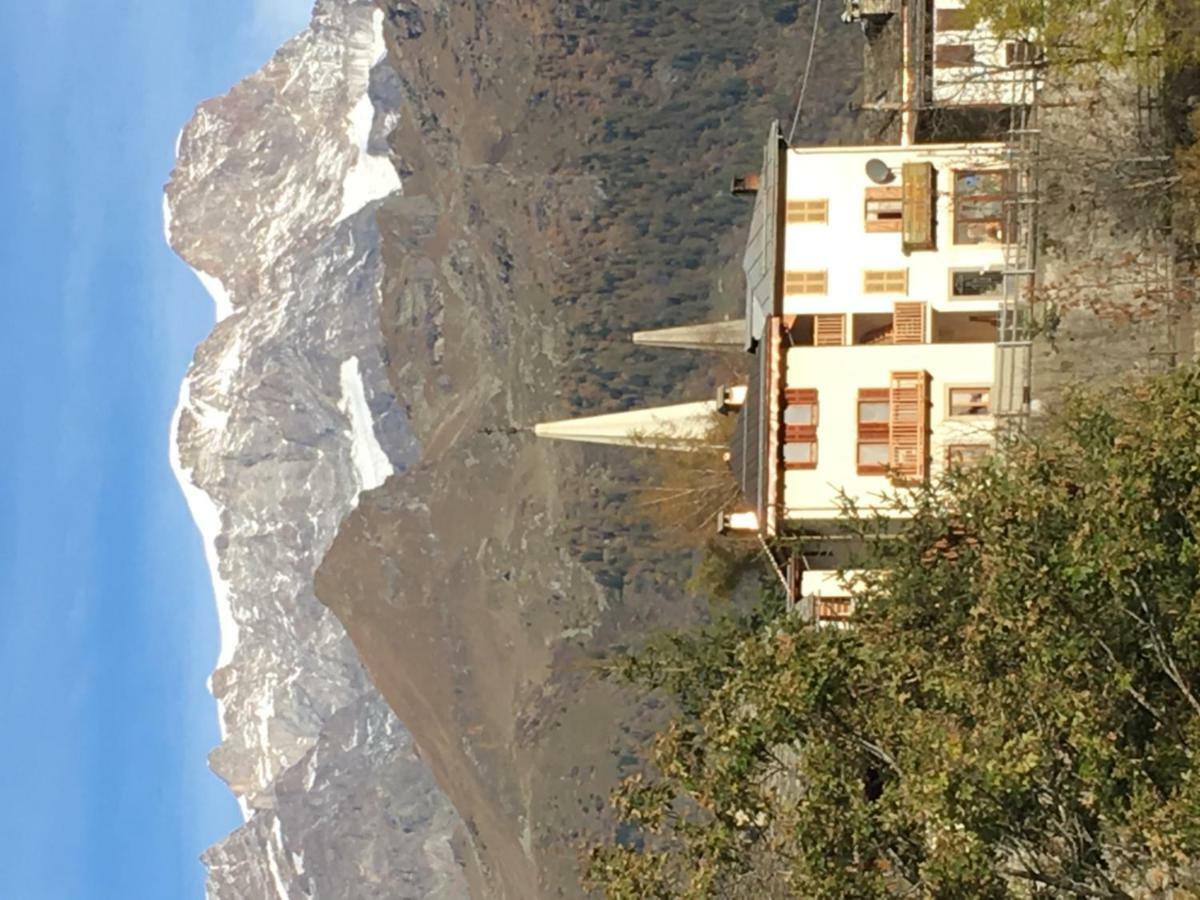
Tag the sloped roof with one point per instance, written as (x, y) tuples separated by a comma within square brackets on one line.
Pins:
[(761, 262)]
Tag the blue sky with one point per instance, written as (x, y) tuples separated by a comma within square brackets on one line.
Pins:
[(107, 629)]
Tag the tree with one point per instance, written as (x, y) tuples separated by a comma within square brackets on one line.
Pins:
[(1114, 32), (1015, 712)]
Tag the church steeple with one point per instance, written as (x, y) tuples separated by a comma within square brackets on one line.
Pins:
[(719, 336), (682, 426)]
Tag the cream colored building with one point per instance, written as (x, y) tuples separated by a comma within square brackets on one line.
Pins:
[(874, 277)]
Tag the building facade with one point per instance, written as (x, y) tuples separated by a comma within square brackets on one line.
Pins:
[(874, 283)]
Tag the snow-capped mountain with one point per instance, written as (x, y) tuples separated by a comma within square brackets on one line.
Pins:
[(285, 416)]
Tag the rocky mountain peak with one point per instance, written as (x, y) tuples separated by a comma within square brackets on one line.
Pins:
[(285, 416)]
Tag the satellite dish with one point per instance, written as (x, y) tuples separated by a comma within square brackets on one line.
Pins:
[(879, 171)]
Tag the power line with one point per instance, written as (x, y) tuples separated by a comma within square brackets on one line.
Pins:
[(807, 68)]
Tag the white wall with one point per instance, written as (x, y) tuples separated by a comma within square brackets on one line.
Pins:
[(838, 373), (844, 248), (989, 81)]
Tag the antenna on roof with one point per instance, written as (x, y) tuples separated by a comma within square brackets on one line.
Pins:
[(879, 171)]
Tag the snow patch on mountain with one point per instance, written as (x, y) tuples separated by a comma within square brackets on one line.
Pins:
[(285, 416), (219, 293), (371, 463), (371, 177)]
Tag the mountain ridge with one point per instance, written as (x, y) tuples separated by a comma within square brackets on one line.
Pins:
[(284, 419)]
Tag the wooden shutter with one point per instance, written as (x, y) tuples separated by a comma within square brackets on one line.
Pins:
[(885, 281), (908, 322), (805, 282), (953, 20), (918, 218), (808, 211), (833, 609), (949, 55), (908, 427), (799, 395), (829, 330)]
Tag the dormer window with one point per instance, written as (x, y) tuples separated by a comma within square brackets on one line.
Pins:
[(731, 398), (744, 522)]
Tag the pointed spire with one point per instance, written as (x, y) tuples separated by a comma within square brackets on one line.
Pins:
[(683, 426), (730, 335)]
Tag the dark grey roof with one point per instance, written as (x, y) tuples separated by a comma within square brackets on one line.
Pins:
[(761, 262)]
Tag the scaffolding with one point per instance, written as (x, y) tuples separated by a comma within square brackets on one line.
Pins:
[(1015, 318)]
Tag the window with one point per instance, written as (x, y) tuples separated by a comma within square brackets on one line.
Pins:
[(949, 55), (832, 608), (808, 211), (800, 455), (872, 457), (805, 282), (960, 456), (800, 414), (885, 281), (884, 209), (976, 283), (970, 401), (979, 215), (1021, 53), (829, 330), (874, 411)]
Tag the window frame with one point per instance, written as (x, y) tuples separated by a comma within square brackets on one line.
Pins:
[(872, 432), (962, 221), (800, 434), (965, 270), (875, 196), (983, 388)]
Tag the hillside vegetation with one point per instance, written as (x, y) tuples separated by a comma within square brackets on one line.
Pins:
[(678, 97)]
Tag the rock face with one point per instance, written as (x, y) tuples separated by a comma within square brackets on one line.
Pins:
[(285, 416)]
